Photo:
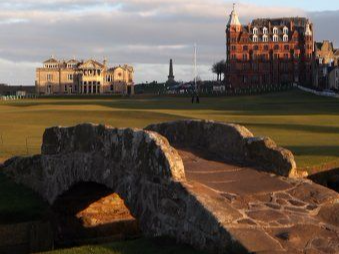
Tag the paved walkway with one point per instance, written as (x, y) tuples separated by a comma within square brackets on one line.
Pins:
[(267, 213)]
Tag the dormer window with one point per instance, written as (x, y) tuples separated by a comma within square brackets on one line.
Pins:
[(285, 38), (275, 30), (255, 31), (285, 30), (265, 30), (275, 38), (265, 38), (255, 38)]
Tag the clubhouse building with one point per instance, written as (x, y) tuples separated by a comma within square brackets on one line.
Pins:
[(83, 77), (269, 51)]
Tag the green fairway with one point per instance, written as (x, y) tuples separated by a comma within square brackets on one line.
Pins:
[(306, 124), (141, 246)]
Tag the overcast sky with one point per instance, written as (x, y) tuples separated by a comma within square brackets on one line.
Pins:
[(143, 33)]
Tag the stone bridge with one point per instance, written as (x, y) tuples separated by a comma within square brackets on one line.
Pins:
[(207, 184)]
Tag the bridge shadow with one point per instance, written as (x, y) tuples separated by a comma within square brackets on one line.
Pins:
[(91, 213), (329, 179)]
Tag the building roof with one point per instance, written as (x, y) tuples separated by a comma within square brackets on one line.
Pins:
[(91, 64), (281, 22), (51, 60), (234, 19), (72, 61), (308, 31), (322, 45)]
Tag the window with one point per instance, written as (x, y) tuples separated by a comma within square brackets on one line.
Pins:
[(70, 76), (265, 30), (65, 88), (275, 30), (286, 56), (286, 47), (245, 48), (276, 47), (275, 38), (233, 47), (285, 30), (265, 38), (266, 48), (255, 38), (244, 57), (49, 77), (285, 38), (255, 30), (256, 47)]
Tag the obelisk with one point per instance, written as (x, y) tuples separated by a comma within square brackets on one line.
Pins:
[(171, 74)]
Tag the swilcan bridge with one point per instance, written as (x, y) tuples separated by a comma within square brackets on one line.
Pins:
[(211, 185)]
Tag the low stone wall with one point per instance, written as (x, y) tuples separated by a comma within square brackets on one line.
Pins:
[(140, 166), (229, 142)]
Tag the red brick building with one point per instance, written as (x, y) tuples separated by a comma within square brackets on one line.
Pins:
[(269, 52)]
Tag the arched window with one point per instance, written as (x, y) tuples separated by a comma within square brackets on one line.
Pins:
[(255, 38), (285, 38), (275, 38), (265, 38), (285, 30), (255, 30), (265, 30), (275, 30)]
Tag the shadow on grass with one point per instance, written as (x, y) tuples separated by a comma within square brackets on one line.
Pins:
[(284, 103), (296, 127), (315, 150)]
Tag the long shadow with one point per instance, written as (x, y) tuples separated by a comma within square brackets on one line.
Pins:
[(296, 127), (284, 103), (329, 179), (315, 150)]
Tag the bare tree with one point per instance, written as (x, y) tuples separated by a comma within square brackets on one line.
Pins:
[(219, 69)]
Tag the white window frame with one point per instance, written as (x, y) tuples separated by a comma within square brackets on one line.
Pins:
[(265, 30), (285, 30), (265, 38), (275, 30), (285, 38), (275, 38)]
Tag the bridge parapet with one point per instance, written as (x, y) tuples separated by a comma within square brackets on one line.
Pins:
[(230, 142)]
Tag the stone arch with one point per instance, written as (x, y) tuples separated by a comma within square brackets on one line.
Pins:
[(142, 168), (90, 211), (137, 165)]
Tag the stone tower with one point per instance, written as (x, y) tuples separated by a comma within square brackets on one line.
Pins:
[(171, 74)]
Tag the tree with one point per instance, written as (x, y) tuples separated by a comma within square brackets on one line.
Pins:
[(219, 69)]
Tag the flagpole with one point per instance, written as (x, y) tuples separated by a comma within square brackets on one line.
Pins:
[(195, 68)]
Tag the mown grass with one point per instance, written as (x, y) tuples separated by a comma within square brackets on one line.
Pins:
[(140, 246), (306, 124)]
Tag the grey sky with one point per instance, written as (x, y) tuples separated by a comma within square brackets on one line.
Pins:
[(144, 33)]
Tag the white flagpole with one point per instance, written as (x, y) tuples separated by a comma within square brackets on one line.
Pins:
[(195, 68)]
